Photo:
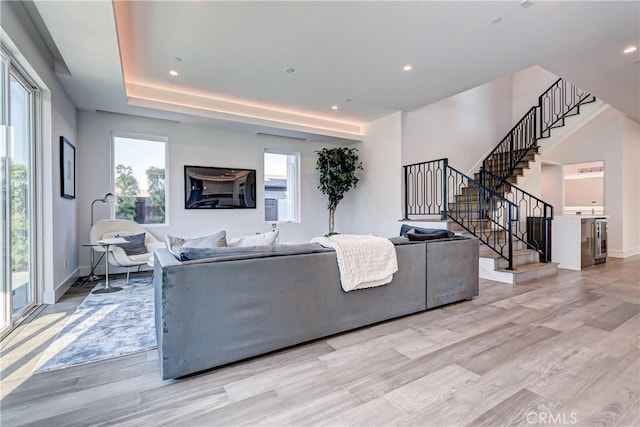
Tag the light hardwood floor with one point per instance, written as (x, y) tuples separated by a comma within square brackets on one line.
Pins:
[(561, 351)]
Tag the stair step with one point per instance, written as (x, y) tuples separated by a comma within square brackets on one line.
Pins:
[(533, 271), (482, 224), (487, 252), (520, 257)]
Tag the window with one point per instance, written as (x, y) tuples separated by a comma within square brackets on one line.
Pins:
[(139, 179), (281, 187)]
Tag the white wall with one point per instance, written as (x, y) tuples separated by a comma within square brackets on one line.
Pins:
[(528, 85), (463, 128), (58, 238), (552, 183), (613, 138), (375, 205), (631, 187), (202, 146)]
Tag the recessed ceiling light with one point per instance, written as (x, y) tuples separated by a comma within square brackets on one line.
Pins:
[(334, 107), (496, 20), (173, 72), (630, 49), (289, 70), (408, 67), (526, 3)]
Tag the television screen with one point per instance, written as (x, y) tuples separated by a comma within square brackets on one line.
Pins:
[(219, 188)]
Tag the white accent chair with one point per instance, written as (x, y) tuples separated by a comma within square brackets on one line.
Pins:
[(108, 228)]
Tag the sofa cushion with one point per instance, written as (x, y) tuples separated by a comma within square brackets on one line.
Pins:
[(241, 252), (264, 239), (135, 244)]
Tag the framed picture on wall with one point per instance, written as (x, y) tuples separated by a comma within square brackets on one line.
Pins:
[(67, 168)]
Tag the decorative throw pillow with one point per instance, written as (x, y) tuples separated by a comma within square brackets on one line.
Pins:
[(215, 240), (174, 244), (135, 244), (433, 235), (263, 239)]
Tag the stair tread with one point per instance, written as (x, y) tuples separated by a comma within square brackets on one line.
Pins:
[(516, 252), (523, 268)]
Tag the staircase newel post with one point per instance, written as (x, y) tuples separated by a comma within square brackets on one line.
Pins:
[(510, 236), (406, 192), (541, 115), (511, 155), (546, 238), (445, 203)]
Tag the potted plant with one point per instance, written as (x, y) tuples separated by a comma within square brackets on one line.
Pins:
[(337, 167)]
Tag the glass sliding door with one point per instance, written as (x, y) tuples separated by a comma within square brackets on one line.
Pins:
[(16, 196), (5, 307), (20, 192)]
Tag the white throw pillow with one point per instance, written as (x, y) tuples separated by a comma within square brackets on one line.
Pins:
[(215, 240), (264, 239), (174, 244)]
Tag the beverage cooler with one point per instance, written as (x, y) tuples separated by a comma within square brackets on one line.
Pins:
[(600, 240), (593, 241)]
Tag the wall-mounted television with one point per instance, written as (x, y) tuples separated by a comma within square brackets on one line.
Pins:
[(208, 187)]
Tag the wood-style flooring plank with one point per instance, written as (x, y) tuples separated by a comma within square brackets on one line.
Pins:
[(615, 317), (434, 387), (616, 391), (568, 344), (517, 409)]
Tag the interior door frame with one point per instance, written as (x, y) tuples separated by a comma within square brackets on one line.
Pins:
[(12, 69)]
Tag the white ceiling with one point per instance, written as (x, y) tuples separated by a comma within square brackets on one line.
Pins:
[(233, 55)]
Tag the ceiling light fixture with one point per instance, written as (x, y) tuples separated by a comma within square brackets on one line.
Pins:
[(408, 67), (289, 70), (496, 20), (630, 49), (173, 72), (334, 107), (526, 3)]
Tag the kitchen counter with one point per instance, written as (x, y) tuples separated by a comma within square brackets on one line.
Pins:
[(566, 240)]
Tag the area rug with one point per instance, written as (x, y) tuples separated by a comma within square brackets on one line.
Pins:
[(105, 326)]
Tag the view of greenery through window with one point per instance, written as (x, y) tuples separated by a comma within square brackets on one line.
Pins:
[(139, 171), (19, 217)]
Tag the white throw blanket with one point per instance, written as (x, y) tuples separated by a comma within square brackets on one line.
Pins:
[(364, 261)]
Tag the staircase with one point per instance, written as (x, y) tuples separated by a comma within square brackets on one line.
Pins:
[(514, 226)]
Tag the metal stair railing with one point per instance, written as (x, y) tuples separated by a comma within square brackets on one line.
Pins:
[(534, 225), (562, 99), (435, 188)]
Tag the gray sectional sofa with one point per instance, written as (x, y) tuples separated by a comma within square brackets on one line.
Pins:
[(216, 311)]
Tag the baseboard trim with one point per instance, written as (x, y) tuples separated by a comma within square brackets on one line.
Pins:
[(623, 254), (53, 297)]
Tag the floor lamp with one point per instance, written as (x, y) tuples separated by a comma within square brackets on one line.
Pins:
[(109, 197)]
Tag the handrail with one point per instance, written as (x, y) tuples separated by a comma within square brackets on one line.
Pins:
[(562, 99), (435, 188), (510, 132), (534, 232)]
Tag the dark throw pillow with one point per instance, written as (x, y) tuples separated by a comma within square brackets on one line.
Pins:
[(135, 244), (431, 235)]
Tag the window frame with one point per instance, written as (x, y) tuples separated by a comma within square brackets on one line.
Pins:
[(144, 137), (297, 202)]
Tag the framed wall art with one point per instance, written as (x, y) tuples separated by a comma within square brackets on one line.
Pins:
[(67, 168)]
